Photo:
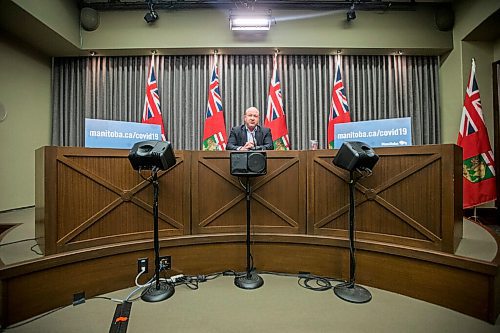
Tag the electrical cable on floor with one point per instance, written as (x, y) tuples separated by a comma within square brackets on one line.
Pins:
[(103, 297), (306, 280), (188, 281), (129, 299), (213, 276), (116, 300), (230, 272), (322, 284), (147, 284), (278, 273)]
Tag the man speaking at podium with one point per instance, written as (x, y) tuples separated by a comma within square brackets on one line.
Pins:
[(250, 136)]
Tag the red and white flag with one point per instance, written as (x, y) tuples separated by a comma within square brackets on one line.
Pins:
[(275, 115), (214, 133), (152, 112), (339, 110), (478, 164)]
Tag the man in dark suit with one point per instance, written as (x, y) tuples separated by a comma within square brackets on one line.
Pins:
[(250, 136)]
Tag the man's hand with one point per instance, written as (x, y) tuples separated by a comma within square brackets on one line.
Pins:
[(248, 146)]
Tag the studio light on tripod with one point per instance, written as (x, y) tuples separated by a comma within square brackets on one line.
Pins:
[(358, 158), (154, 156)]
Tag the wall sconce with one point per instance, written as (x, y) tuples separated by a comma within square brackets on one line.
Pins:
[(250, 21)]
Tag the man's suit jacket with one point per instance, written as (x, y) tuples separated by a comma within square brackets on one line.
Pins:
[(238, 138)]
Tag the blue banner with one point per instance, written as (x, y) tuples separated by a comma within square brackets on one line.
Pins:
[(118, 134), (392, 132)]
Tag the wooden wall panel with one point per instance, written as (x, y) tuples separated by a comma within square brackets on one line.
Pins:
[(408, 199), (278, 198), (462, 284), (99, 199), (93, 197)]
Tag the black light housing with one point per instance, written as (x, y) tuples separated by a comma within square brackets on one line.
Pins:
[(354, 155), (248, 163), (351, 14), (152, 15), (152, 154)]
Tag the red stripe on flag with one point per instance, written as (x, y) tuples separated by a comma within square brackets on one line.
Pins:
[(475, 145)]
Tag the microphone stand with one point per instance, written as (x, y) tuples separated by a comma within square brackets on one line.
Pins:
[(160, 290), (254, 141), (349, 291), (251, 280)]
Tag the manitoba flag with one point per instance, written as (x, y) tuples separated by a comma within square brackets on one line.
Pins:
[(275, 116), (339, 110), (214, 133), (478, 163), (152, 113)]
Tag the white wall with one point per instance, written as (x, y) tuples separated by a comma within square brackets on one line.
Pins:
[(455, 68), (25, 81), (208, 29)]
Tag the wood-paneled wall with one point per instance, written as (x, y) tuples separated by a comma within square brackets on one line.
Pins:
[(413, 198), (91, 197), (278, 198)]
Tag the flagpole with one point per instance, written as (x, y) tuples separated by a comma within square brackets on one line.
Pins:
[(479, 179), (275, 117), (214, 130), (475, 214)]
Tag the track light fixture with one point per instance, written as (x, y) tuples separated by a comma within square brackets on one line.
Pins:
[(152, 15), (351, 13)]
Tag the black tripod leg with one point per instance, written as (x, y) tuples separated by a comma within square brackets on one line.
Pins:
[(159, 291), (250, 280), (350, 291)]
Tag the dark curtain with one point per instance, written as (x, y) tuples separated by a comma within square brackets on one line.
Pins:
[(113, 88)]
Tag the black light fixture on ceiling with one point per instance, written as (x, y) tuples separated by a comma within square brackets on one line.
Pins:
[(351, 13), (152, 15)]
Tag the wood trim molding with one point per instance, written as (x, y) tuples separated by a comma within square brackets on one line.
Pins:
[(434, 274)]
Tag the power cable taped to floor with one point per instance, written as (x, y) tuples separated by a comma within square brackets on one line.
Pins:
[(120, 318)]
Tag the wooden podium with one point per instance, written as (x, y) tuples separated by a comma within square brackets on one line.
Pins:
[(92, 197)]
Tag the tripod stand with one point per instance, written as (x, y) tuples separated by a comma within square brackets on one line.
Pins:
[(251, 280), (160, 290), (349, 291)]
